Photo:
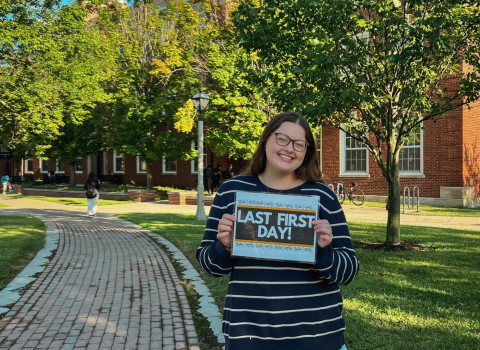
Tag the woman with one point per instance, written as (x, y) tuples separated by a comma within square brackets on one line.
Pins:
[(92, 186), (279, 304)]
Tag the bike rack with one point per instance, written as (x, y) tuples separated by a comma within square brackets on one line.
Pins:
[(410, 205), (332, 187), (339, 185)]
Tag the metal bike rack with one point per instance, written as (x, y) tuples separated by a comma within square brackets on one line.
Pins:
[(339, 185), (414, 198)]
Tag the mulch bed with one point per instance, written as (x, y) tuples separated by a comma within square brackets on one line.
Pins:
[(402, 246)]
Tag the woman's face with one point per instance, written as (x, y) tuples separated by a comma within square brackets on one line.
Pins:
[(285, 159)]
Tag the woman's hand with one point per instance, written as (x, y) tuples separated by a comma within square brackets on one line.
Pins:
[(323, 231), (225, 231)]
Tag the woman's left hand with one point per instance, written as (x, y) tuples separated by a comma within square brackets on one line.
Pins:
[(324, 232)]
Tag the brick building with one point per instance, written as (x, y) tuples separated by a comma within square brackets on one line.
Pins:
[(443, 161)]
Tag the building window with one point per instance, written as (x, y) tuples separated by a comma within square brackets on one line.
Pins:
[(169, 166), (118, 163), (79, 165), (141, 166), (194, 162), (354, 156), (43, 166), (60, 168), (410, 160), (29, 165)]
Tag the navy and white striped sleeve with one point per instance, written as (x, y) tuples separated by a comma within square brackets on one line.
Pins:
[(337, 262), (214, 259)]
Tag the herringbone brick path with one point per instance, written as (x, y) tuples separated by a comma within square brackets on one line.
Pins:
[(108, 286)]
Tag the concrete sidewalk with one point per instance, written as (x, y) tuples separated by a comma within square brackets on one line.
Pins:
[(110, 286), (352, 212)]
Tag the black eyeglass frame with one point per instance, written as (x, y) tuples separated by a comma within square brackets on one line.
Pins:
[(292, 141)]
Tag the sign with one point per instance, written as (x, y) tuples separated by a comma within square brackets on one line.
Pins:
[(275, 226)]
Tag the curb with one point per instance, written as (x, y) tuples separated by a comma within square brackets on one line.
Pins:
[(12, 292), (207, 306)]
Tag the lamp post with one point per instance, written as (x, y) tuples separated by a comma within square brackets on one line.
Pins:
[(200, 102)]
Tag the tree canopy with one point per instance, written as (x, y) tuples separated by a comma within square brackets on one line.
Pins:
[(388, 60)]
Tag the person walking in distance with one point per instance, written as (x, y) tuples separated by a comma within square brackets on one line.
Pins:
[(207, 179), (6, 183), (216, 177), (228, 173), (92, 186), (275, 304)]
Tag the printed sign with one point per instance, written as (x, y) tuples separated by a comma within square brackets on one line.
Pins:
[(275, 226)]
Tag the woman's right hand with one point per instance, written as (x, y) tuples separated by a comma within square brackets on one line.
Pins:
[(225, 230)]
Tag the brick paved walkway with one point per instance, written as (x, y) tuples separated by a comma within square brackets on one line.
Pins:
[(108, 286)]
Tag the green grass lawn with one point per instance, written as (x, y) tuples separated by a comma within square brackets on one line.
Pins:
[(74, 201), (419, 299), (428, 210), (3, 205), (20, 239)]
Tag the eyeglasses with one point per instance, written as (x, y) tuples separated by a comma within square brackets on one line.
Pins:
[(284, 140)]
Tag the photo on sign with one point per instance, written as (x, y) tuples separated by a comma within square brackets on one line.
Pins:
[(275, 226)]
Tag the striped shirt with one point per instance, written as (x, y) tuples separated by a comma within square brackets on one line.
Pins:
[(277, 304)]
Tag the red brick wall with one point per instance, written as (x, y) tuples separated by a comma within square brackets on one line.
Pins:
[(471, 147), (442, 159), (184, 178)]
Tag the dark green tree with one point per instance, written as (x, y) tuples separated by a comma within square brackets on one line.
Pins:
[(388, 60), (152, 114)]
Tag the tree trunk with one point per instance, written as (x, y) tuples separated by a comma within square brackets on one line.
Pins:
[(393, 222), (149, 176), (73, 175)]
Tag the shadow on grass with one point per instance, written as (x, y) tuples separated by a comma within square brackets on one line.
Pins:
[(415, 299)]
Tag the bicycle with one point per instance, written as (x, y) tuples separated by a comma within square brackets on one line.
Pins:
[(355, 194)]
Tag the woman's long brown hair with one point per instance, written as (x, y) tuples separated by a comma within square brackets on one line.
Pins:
[(308, 171)]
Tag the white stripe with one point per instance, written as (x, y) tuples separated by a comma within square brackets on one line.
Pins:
[(326, 268), (285, 338), (281, 325), (243, 182), (218, 266), (226, 192), (211, 229), (344, 237), (224, 207), (284, 311), (265, 282), (271, 268), (318, 190), (345, 248), (331, 211), (281, 296)]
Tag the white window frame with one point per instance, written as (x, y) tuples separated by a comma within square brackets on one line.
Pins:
[(115, 156), (79, 161), (405, 147), (164, 167), (343, 157), (194, 162), (139, 167), (43, 170), (27, 161), (57, 169)]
